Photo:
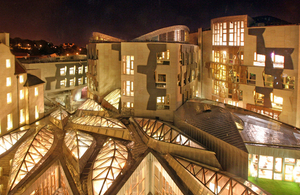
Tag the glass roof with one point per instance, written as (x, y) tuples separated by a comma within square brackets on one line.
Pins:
[(98, 121), (108, 165), (114, 98), (90, 105), (29, 154), (7, 141), (219, 183), (163, 132), (58, 113), (78, 142)]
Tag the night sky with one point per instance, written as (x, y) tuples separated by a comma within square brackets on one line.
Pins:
[(60, 21)]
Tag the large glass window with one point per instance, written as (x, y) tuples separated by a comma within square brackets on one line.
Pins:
[(228, 33), (265, 167), (80, 70), (128, 65), (72, 82), (72, 70), (278, 165), (297, 171), (288, 172)]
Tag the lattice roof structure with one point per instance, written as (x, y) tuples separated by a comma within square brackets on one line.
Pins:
[(90, 105), (7, 141), (114, 98)]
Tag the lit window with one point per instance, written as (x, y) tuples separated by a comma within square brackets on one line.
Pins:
[(72, 83), (289, 169), (9, 122), (259, 98), (278, 165), (9, 99), (36, 111), (72, 70), (288, 82), (162, 102), (277, 102), (268, 80), (36, 91), (80, 70), (85, 80), (265, 167), (21, 79), (80, 81), (63, 83), (278, 60), (128, 65), (8, 65), (128, 88), (63, 71), (8, 81), (259, 59), (289, 160), (251, 79), (86, 69), (127, 104), (22, 116), (163, 58), (21, 94)]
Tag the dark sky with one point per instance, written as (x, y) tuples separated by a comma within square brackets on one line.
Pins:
[(60, 21)]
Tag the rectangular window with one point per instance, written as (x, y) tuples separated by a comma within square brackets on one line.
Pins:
[(251, 79), (128, 88), (259, 60), (297, 171), (278, 60), (36, 91), (278, 165), (22, 116), (289, 172), (80, 81), (268, 80), (85, 80), (9, 98), (277, 102), (265, 167), (288, 82), (161, 78), (72, 70), (72, 83), (36, 111), (21, 78), (259, 98), (163, 58), (8, 81), (63, 83), (128, 65), (163, 102), (9, 122), (80, 70), (8, 65), (21, 94), (63, 71), (127, 104), (86, 69)]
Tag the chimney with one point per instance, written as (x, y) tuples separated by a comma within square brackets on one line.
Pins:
[(4, 38)]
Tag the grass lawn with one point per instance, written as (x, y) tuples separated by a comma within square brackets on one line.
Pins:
[(276, 187)]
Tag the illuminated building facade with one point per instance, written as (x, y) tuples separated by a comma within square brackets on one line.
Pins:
[(253, 66), (22, 97), (62, 73), (156, 72)]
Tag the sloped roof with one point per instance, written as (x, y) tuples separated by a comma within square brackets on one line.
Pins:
[(19, 68), (32, 80), (216, 121)]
